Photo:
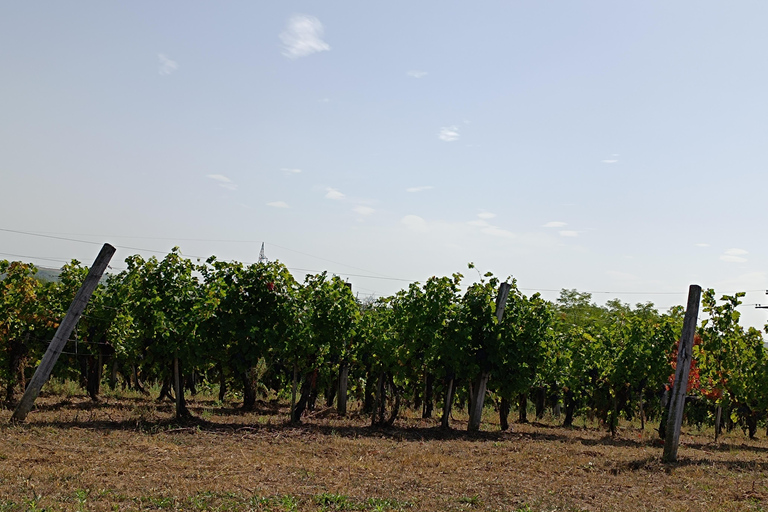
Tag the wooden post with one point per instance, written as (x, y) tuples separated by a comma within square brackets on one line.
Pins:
[(177, 387), (684, 358), (478, 388), (343, 380), (293, 388), (449, 392), (63, 332)]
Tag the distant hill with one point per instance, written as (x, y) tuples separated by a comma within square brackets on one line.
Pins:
[(51, 275), (48, 274)]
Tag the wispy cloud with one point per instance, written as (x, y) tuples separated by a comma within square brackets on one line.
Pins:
[(734, 255), (488, 228), (332, 193), (414, 223), (702, 245), (612, 159), (555, 224), (417, 74), (571, 234), (363, 210), (303, 35), (278, 204), (419, 189), (497, 231), (449, 133), (222, 181), (287, 170), (166, 66)]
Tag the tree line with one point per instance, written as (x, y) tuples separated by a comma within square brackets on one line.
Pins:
[(252, 329)]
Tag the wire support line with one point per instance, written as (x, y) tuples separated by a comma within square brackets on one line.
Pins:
[(95, 243), (353, 275), (378, 276), (60, 237), (60, 260)]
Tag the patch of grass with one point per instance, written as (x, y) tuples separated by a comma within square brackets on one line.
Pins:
[(329, 501), (81, 496), (161, 502), (384, 504), (289, 503), (65, 388), (471, 500)]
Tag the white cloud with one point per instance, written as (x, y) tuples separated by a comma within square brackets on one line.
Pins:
[(486, 215), (165, 65), (419, 189), (555, 224), (303, 35), (363, 210), (569, 233), (449, 133), (702, 245), (278, 204), (287, 170), (496, 231), (734, 255), (414, 223), (332, 193), (223, 181), (417, 74), (609, 161)]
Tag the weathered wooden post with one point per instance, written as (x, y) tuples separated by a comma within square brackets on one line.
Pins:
[(63, 332), (684, 358), (341, 390), (478, 387)]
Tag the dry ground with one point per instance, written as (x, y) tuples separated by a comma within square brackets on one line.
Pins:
[(128, 454)]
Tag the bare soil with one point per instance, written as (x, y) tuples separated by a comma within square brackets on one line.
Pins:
[(129, 454)]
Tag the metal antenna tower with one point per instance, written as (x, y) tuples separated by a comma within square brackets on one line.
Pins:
[(262, 256)]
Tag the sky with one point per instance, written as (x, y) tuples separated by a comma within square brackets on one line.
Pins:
[(612, 147)]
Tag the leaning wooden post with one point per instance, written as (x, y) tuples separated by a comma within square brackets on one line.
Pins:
[(478, 388), (63, 332), (684, 358)]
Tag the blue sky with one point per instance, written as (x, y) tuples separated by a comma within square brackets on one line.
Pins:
[(605, 146)]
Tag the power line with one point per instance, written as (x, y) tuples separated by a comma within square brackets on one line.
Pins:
[(186, 240), (60, 260), (93, 243), (378, 276)]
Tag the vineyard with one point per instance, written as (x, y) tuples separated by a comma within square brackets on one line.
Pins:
[(434, 359), (253, 330)]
